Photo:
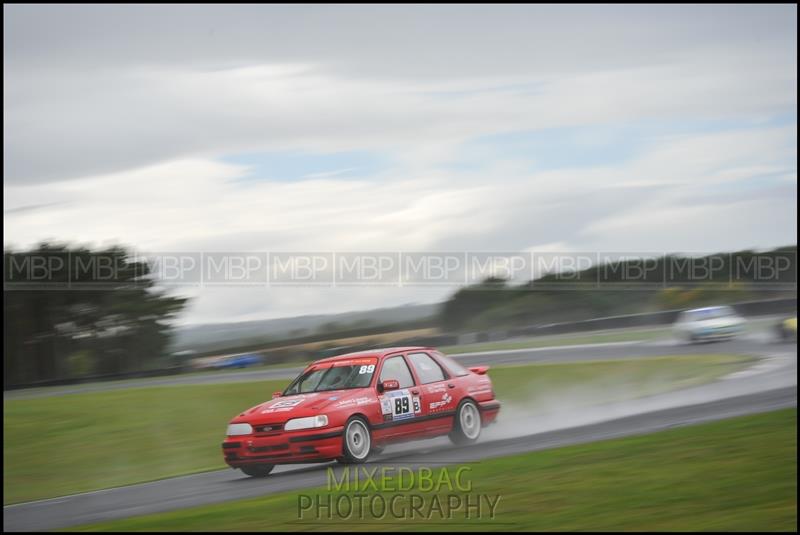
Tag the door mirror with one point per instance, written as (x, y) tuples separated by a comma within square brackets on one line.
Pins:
[(276, 394), (389, 384)]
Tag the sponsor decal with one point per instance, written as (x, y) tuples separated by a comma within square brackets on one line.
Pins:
[(483, 387), (355, 362), (446, 399), (357, 402), (286, 404), (435, 388)]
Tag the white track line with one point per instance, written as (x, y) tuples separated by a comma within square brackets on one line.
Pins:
[(546, 348)]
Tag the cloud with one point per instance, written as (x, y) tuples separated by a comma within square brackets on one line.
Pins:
[(201, 205), (226, 84), (375, 128)]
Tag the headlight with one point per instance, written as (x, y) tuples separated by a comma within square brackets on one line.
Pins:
[(306, 423), (239, 429)]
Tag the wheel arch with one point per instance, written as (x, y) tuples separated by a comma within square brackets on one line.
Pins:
[(362, 416)]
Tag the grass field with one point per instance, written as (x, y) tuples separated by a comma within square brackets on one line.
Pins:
[(732, 475), (596, 337), (81, 442)]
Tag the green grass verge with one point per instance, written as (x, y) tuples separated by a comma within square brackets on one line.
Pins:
[(141, 382), (732, 475), (597, 337), (81, 442)]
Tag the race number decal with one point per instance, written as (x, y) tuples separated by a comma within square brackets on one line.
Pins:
[(400, 404)]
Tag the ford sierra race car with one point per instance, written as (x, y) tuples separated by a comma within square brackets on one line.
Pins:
[(346, 407)]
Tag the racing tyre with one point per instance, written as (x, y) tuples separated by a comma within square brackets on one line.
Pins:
[(356, 442), (258, 470), (467, 425)]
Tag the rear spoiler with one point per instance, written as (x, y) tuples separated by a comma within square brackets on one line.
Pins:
[(480, 370)]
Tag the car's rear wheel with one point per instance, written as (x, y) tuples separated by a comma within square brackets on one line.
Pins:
[(356, 441), (258, 470), (467, 425)]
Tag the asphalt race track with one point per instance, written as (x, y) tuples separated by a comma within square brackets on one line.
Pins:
[(767, 385), (751, 344)]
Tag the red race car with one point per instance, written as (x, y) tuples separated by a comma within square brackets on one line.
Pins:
[(349, 406)]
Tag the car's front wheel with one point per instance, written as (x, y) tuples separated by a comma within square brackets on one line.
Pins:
[(467, 425), (356, 441), (258, 470)]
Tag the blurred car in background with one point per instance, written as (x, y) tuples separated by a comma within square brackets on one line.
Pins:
[(787, 329), (708, 323), (239, 361)]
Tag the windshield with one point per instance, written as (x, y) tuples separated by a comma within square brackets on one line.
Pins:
[(710, 313), (337, 377)]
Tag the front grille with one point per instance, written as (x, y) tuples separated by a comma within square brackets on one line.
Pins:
[(267, 428)]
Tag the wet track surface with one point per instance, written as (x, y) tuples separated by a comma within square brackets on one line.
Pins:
[(751, 344), (767, 385)]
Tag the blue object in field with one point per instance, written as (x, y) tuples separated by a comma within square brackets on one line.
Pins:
[(240, 361)]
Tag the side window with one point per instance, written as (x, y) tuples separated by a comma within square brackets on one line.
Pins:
[(455, 369), (427, 369), (396, 368)]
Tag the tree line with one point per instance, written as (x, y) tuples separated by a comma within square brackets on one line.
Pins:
[(71, 312), (623, 287)]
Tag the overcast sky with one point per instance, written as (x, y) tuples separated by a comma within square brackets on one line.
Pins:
[(403, 128)]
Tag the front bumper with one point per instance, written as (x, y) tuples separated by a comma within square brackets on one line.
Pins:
[(310, 445)]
